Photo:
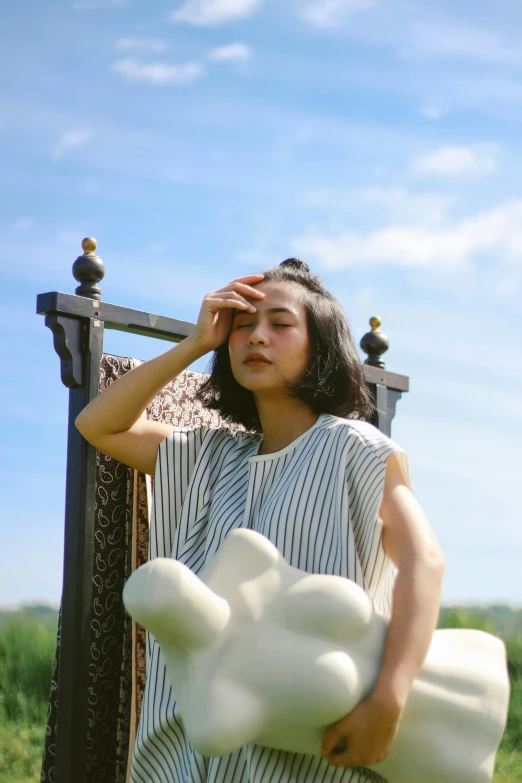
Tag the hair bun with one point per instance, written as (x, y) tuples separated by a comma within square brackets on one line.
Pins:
[(296, 263)]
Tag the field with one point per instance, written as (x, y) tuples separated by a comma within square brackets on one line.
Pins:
[(27, 640)]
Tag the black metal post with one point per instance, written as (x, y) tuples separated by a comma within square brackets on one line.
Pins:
[(71, 727), (79, 343), (385, 387)]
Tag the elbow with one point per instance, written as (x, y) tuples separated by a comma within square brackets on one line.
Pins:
[(436, 561), (428, 560), (78, 423), (439, 558), (82, 426)]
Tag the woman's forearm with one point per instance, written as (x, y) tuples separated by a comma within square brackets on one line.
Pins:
[(415, 611), (121, 404)]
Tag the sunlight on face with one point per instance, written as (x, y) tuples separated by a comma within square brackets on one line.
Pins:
[(278, 331)]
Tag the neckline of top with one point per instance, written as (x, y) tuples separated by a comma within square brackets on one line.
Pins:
[(280, 452)]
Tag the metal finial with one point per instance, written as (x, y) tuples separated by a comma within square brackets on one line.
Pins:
[(375, 343), (88, 269), (89, 245)]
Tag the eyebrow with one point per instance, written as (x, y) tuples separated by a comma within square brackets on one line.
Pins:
[(270, 310)]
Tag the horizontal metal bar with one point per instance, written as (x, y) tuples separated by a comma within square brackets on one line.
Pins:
[(123, 319), (391, 380)]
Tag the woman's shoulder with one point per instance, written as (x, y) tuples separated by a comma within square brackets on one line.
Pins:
[(354, 427), (362, 432)]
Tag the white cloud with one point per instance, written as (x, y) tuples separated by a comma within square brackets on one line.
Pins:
[(397, 204), (232, 53), (70, 140), (457, 160), (438, 40), (509, 285), (141, 44), (159, 73), (401, 206), (329, 13), (214, 12), (442, 248)]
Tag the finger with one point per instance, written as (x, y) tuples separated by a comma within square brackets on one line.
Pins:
[(240, 300), (340, 747), (343, 760), (351, 758), (330, 741), (342, 755), (247, 278), (231, 299), (246, 290)]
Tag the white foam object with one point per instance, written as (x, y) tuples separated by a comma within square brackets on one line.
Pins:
[(260, 652)]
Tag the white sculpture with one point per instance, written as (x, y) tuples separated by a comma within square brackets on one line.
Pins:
[(260, 652)]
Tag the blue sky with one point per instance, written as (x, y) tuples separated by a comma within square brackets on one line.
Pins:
[(202, 140)]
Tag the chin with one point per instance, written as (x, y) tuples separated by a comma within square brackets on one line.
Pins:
[(253, 381)]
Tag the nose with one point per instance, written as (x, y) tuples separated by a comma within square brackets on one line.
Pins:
[(258, 335), (258, 339)]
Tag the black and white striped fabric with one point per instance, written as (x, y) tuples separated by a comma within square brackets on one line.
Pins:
[(317, 500)]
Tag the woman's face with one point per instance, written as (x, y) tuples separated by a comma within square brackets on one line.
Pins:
[(282, 337)]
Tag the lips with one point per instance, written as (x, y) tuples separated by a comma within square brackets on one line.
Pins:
[(256, 357)]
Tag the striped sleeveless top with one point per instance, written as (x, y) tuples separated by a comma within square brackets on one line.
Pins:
[(317, 500)]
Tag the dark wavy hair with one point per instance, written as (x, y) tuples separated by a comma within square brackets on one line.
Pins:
[(333, 380)]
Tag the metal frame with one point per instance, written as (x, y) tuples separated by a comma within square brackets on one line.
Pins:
[(77, 323)]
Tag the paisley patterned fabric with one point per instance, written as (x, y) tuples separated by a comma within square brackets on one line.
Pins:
[(121, 538)]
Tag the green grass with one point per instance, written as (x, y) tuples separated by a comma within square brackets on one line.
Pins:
[(508, 766), (27, 644), (21, 748)]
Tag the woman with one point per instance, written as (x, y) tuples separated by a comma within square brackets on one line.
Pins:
[(325, 486)]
